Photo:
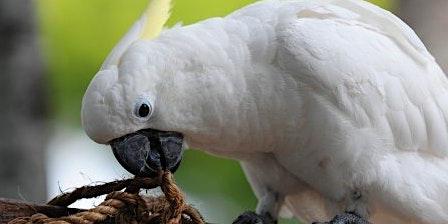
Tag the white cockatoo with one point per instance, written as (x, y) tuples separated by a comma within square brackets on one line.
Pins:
[(334, 108)]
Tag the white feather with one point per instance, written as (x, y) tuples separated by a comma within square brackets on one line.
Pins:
[(318, 99)]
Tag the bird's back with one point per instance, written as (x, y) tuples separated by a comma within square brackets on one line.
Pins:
[(373, 70)]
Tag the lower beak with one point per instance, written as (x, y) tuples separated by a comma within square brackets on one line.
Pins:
[(147, 152)]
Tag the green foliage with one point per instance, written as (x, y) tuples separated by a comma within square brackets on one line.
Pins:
[(216, 182), (77, 35), (387, 4)]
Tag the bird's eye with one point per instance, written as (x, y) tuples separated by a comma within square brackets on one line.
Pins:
[(143, 109)]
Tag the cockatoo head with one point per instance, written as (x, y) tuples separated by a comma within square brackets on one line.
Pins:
[(124, 102)]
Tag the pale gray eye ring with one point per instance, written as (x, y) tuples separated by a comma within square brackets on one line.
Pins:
[(143, 109)]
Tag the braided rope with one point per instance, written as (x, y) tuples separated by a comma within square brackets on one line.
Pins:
[(125, 207)]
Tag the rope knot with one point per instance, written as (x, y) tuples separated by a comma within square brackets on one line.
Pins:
[(125, 207)]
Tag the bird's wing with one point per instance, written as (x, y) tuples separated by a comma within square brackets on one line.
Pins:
[(370, 70), (375, 104)]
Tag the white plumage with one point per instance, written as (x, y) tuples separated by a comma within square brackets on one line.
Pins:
[(334, 105)]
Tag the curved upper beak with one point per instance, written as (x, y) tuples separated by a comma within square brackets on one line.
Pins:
[(146, 152)]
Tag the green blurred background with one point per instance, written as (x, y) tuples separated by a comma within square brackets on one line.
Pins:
[(77, 35)]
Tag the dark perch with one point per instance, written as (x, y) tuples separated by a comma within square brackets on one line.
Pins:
[(120, 207), (11, 209)]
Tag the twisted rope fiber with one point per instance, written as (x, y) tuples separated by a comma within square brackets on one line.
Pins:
[(126, 207)]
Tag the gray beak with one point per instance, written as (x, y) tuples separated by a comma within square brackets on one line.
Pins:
[(146, 152)]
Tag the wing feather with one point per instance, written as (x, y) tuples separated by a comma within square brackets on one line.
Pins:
[(373, 70)]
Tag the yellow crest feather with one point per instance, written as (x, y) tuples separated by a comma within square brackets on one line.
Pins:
[(156, 16)]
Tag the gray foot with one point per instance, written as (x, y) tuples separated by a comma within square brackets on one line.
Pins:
[(253, 218), (346, 218)]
